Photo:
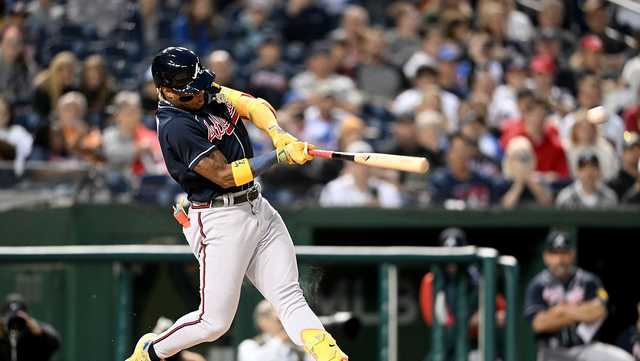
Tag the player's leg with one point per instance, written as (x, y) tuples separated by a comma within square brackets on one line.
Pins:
[(274, 272), (224, 252), (601, 351)]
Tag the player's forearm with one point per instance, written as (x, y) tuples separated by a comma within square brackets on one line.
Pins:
[(590, 311), (552, 320)]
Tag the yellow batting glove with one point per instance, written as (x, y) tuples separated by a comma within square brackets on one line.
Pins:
[(298, 152), (279, 137)]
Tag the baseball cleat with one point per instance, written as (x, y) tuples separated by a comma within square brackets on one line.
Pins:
[(322, 346), (140, 352)]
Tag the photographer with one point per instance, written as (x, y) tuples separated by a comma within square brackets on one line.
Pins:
[(23, 338)]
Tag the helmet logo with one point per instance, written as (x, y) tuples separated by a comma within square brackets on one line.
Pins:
[(196, 72)]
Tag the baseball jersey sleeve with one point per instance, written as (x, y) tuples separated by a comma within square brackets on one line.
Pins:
[(188, 140), (533, 302), (595, 289)]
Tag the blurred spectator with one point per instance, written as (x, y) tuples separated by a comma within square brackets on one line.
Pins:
[(154, 25), (129, 147), (449, 77), (268, 76), (590, 96), (628, 172), (319, 74), (472, 126), (199, 27), (589, 57), (543, 69), (358, 187), (584, 137), (71, 136), (430, 126), (103, 16), (404, 140), (272, 344), (50, 84), (15, 142), (16, 69), (321, 121), (98, 87), (459, 186), (494, 16), (45, 16), (550, 156), (519, 26), (566, 306), (506, 98), (551, 17), (251, 29), (632, 196), (587, 191), (378, 80), (303, 21), (432, 39), (525, 187), (632, 115), (223, 65), (558, 45), (425, 82), (403, 38), (22, 337), (598, 19), (353, 25)]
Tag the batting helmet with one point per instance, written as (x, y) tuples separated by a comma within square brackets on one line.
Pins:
[(179, 69)]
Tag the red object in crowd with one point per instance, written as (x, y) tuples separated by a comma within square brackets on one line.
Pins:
[(549, 153), (591, 42), (145, 135), (632, 119), (543, 64)]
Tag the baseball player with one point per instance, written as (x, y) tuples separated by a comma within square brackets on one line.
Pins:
[(231, 229), (566, 306)]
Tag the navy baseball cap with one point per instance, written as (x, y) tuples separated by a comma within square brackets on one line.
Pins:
[(588, 158), (559, 241)]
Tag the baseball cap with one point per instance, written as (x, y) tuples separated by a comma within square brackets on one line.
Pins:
[(588, 158), (591, 42), (453, 237), (559, 241), (543, 64)]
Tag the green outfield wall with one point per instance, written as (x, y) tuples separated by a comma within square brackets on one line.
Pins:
[(79, 298)]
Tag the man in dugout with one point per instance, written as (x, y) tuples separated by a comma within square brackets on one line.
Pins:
[(566, 306)]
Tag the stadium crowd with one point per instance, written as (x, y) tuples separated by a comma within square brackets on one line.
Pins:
[(494, 94)]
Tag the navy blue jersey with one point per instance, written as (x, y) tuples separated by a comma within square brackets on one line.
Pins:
[(188, 136), (545, 291)]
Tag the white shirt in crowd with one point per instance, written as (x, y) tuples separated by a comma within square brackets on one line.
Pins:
[(342, 192), (503, 106), (22, 140), (612, 129), (270, 349), (409, 100)]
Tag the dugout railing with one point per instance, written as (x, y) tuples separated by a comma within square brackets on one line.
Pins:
[(387, 258)]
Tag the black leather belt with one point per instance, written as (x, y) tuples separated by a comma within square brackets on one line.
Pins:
[(229, 199)]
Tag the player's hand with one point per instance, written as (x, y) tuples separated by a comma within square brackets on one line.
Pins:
[(295, 153), (280, 138)]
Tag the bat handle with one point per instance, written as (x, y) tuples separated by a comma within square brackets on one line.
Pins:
[(321, 153)]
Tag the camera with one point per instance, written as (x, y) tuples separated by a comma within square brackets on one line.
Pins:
[(10, 319)]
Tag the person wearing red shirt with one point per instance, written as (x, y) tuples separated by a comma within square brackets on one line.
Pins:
[(631, 117), (543, 136)]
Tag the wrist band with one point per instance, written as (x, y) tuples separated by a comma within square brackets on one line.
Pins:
[(241, 171)]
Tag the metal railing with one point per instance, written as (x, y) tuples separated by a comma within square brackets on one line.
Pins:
[(388, 258)]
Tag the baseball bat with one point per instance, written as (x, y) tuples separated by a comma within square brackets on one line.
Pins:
[(379, 160)]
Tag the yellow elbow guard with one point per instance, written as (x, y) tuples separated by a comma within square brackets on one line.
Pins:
[(241, 171)]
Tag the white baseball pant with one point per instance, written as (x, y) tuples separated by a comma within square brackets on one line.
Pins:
[(247, 239)]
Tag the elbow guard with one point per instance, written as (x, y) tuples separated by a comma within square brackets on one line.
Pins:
[(241, 170)]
